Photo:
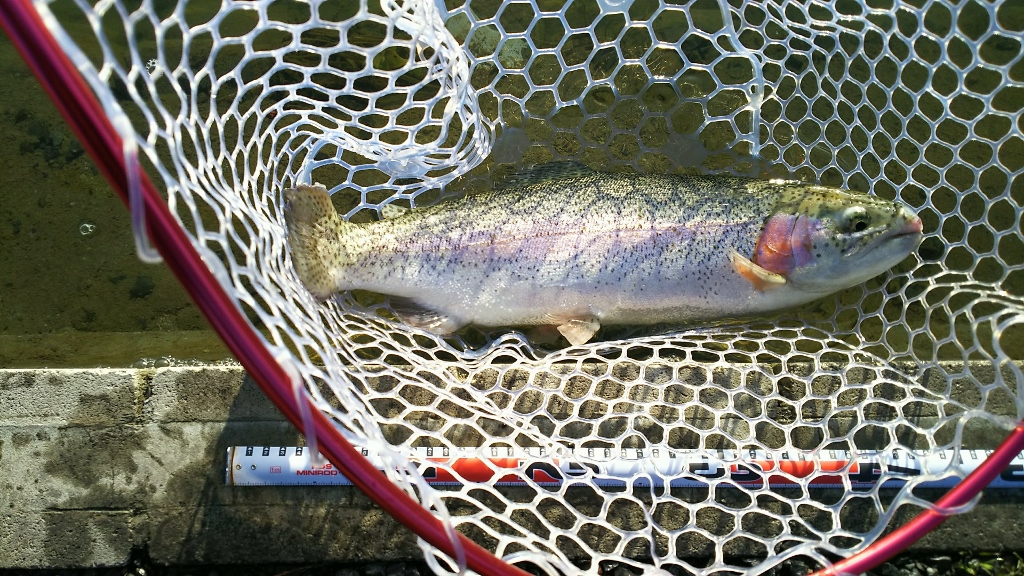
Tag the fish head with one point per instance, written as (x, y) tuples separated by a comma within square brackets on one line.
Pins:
[(824, 239)]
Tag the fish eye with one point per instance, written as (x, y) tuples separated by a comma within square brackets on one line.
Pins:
[(855, 219)]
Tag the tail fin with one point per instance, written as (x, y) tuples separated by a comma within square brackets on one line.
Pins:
[(314, 227)]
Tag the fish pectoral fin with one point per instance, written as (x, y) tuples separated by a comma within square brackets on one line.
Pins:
[(579, 330), (419, 316), (761, 279)]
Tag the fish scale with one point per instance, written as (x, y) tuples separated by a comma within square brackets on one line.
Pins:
[(574, 248)]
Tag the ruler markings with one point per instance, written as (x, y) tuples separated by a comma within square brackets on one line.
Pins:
[(506, 466)]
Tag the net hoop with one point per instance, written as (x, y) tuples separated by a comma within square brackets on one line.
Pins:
[(79, 107)]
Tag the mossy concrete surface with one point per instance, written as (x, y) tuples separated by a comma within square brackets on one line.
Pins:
[(96, 463)]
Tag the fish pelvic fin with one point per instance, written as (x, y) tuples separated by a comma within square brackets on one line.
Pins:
[(316, 236), (761, 279), (420, 316), (579, 330)]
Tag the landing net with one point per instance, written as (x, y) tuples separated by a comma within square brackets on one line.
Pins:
[(404, 103)]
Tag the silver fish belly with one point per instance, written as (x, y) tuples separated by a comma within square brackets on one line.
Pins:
[(579, 249)]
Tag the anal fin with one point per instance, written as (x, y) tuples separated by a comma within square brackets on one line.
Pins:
[(761, 279), (579, 330), (419, 316)]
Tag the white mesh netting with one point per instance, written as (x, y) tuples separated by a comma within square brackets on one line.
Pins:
[(234, 100)]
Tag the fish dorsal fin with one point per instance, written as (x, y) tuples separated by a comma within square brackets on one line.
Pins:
[(548, 171), (391, 211)]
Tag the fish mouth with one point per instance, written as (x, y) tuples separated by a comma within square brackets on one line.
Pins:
[(913, 227)]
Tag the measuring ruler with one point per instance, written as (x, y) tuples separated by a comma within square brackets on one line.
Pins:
[(292, 466)]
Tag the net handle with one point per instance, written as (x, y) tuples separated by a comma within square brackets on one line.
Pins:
[(83, 113)]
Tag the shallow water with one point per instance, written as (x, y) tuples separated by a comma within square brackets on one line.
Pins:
[(72, 291)]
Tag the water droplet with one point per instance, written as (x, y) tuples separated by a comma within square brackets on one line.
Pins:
[(87, 228)]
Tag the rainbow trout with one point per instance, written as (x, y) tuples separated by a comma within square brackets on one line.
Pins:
[(566, 246)]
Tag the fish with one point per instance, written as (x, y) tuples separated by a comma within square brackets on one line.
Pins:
[(566, 246)]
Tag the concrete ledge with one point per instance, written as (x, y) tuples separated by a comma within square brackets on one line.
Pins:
[(94, 463)]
